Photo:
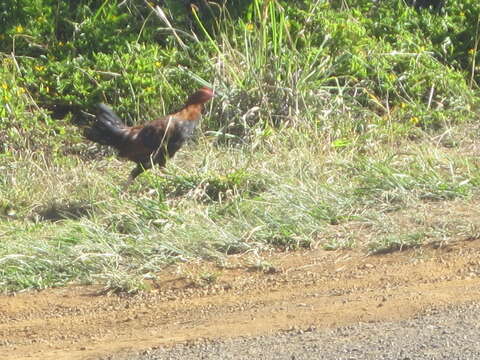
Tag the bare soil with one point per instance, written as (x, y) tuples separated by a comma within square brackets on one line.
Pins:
[(191, 302)]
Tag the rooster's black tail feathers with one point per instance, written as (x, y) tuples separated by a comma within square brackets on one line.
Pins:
[(108, 129)]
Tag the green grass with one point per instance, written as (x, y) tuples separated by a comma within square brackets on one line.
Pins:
[(343, 127), (73, 223)]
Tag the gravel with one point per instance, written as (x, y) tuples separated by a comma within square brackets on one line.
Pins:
[(452, 333)]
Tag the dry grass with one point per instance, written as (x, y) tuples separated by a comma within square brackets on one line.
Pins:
[(70, 221)]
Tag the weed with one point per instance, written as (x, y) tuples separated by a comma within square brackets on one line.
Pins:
[(339, 243), (396, 242), (263, 266)]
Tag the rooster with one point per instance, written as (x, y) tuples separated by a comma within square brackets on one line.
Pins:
[(154, 142)]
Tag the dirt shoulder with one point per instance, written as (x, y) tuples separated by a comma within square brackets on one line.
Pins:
[(302, 290)]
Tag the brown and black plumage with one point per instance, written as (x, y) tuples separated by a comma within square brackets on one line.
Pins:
[(154, 142)]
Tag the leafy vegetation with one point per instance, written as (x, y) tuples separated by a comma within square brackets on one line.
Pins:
[(331, 116)]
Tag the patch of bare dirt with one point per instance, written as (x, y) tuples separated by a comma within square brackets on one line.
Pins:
[(297, 290)]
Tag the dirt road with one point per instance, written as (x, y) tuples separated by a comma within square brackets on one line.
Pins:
[(446, 334), (303, 290)]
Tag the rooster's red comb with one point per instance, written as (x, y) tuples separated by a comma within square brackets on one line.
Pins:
[(201, 96)]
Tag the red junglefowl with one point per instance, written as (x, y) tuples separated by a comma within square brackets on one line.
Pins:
[(154, 142)]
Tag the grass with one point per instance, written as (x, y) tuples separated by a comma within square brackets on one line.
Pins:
[(212, 202), (330, 129)]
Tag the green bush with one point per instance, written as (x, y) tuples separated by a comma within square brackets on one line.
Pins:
[(274, 63)]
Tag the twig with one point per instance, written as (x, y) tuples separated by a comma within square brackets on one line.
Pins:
[(161, 15), (432, 90)]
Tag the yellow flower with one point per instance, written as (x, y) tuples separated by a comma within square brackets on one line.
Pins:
[(158, 63), (414, 120), (5, 86), (249, 27), (403, 105), (462, 13), (19, 28), (39, 67), (21, 90), (60, 43), (471, 51)]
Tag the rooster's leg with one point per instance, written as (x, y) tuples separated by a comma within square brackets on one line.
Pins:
[(140, 168)]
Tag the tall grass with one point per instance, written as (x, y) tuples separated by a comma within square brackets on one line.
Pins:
[(74, 224)]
